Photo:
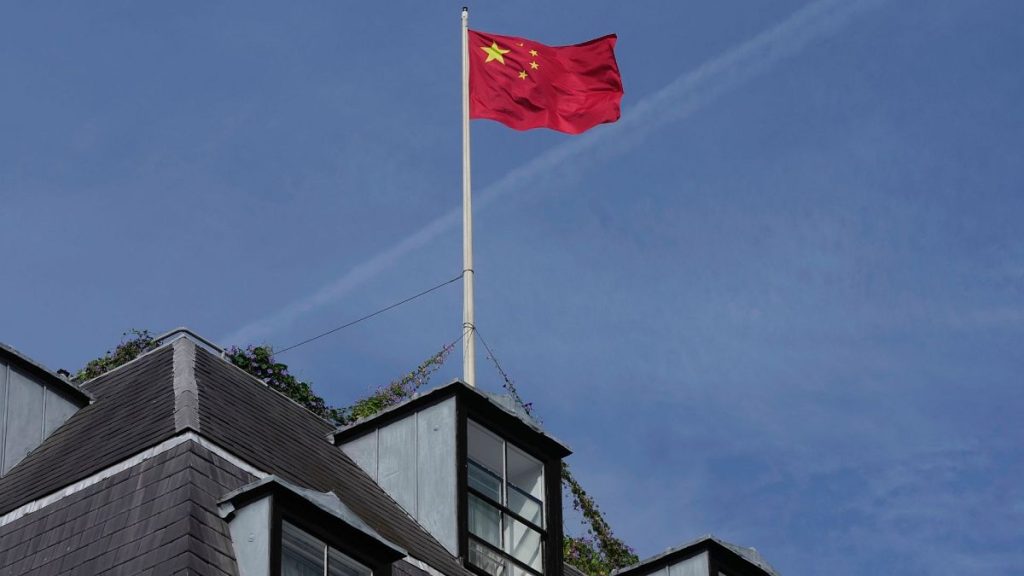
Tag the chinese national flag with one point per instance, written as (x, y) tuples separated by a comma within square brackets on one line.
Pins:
[(524, 84)]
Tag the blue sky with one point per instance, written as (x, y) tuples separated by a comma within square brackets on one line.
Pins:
[(782, 300)]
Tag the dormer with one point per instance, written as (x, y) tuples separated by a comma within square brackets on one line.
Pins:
[(475, 471), (33, 403), (705, 556)]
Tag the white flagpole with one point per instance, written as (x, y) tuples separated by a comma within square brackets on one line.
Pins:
[(468, 327)]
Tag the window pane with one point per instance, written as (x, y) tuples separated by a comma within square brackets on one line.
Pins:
[(515, 570), (525, 472), (487, 560), (339, 564), (301, 554), (484, 521), (483, 480), (523, 543), (525, 505), (485, 448)]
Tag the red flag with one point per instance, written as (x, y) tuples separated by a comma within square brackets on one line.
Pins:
[(524, 84)]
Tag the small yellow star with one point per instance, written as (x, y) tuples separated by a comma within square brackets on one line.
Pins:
[(494, 53), (523, 75), (534, 65), (533, 52)]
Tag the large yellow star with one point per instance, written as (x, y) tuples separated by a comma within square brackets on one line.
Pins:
[(494, 53)]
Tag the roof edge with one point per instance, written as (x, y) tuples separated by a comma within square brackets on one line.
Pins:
[(53, 378), (192, 335), (696, 546), (453, 388), (336, 508), (162, 341)]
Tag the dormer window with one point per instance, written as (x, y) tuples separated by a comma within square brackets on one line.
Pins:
[(279, 529), (475, 471), (505, 505)]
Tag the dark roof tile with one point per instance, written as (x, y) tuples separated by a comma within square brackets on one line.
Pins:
[(280, 437), (169, 500), (134, 409), (137, 532)]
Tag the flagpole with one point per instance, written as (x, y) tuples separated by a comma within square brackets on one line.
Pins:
[(468, 326)]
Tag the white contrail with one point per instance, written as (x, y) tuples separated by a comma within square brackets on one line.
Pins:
[(676, 101)]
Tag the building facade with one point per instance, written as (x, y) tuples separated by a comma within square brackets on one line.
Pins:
[(181, 463)]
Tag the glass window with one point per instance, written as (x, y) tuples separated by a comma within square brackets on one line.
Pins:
[(526, 473), (339, 564), (506, 506), (486, 449), (484, 521), (485, 481), (487, 559), (524, 543), (301, 554), (525, 505), (304, 555)]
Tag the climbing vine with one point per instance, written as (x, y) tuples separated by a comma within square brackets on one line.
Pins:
[(259, 361), (395, 392), (597, 552), (133, 344)]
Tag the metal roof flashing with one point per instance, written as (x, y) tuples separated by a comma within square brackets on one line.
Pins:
[(504, 403), (750, 555), (326, 501), (184, 332), (163, 341)]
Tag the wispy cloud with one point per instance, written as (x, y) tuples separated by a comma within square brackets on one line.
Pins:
[(675, 102)]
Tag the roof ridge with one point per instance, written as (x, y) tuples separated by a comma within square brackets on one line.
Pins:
[(186, 393), (131, 362), (161, 341)]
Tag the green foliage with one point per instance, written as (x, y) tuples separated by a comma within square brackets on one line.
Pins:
[(396, 391), (599, 551), (140, 342), (582, 552), (259, 361)]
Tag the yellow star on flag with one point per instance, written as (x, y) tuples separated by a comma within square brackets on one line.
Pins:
[(534, 65), (494, 53), (533, 52), (523, 75)]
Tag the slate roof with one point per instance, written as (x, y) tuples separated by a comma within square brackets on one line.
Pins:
[(158, 517), (133, 410), (277, 436), (181, 388)]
